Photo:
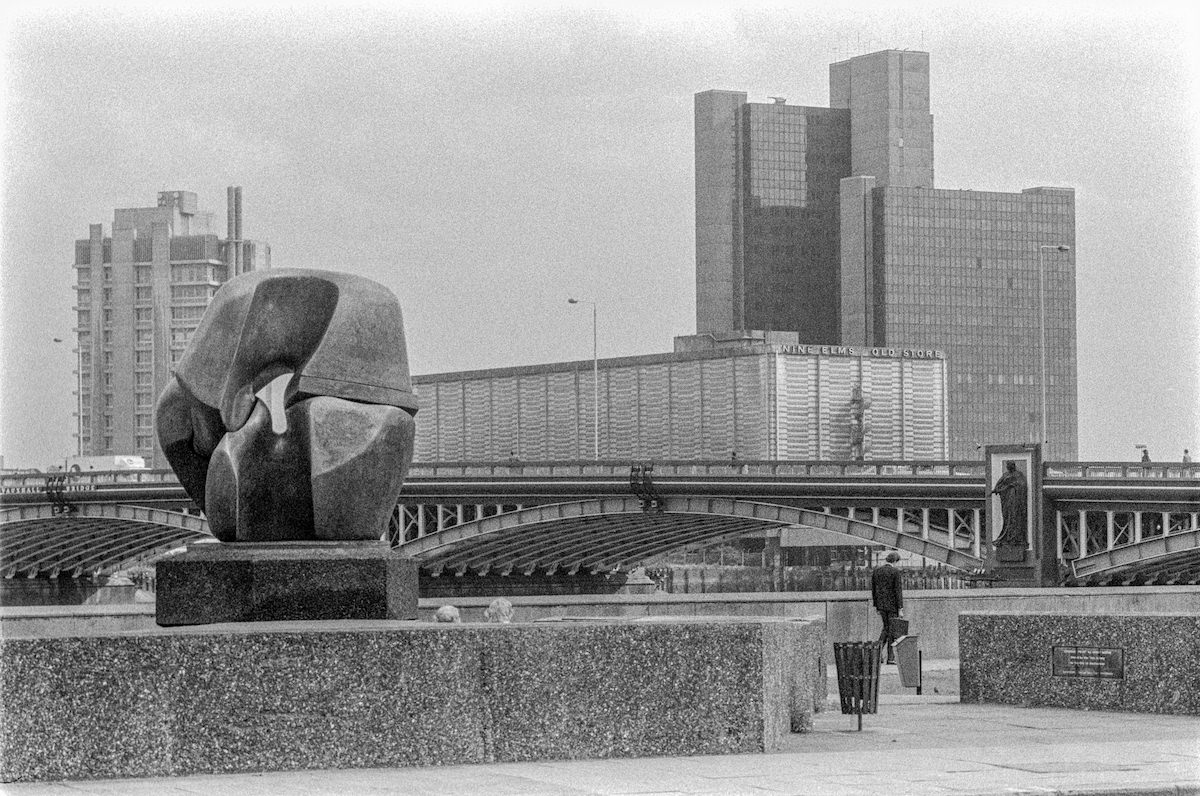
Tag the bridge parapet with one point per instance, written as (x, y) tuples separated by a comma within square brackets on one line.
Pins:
[(720, 467), (1122, 470), (619, 469)]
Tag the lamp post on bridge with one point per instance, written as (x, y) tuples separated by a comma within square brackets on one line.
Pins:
[(595, 379), (1042, 324)]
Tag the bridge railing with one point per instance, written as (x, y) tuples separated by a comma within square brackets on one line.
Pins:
[(77, 482), (1122, 470), (722, 467), (619, 468)]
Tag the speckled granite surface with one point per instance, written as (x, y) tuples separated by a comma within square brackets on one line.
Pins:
[(1007, 658), (287, 696), (280, 581)]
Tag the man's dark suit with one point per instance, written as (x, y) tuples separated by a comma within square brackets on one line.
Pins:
[(888, 597)]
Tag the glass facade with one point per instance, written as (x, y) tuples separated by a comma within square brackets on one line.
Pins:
[(824, 222), (794, 158), (964, 271), (753, 399)]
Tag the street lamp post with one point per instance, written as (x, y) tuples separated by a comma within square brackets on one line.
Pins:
[(1042, 325), (595, 379), (78, 398)]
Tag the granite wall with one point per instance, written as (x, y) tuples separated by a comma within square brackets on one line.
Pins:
[(848, 615), (287, 696), (1145, 663)]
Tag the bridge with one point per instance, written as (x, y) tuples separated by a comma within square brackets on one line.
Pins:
[(1112, 522)]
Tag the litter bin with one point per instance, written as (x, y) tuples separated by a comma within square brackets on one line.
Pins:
[(908, 660), (858, 676)]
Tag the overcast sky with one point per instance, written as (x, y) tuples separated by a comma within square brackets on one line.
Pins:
[(486, 163)]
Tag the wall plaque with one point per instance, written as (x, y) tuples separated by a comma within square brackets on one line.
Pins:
[(1101, 663)]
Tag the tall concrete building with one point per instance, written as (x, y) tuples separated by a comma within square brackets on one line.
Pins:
[(825, 222), (140, 292)]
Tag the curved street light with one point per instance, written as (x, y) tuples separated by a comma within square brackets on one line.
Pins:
[(78, 397), (595, 380), (1042, 325)]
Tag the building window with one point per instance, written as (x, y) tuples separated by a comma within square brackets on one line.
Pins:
[(187, 313), (142, 336), (107, 317), (141, 274), (106, 295), (107, 273), (141, 314), (143, 421), (108, 443), (143, 293), (106, 337), (141, 379), (108, 422), (141, 357), (141, 399), (143, 442), (85, 317), (191, 273), (191, 292), (84, 297)]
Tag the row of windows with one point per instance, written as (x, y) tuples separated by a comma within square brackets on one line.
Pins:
[(192, 291), (197, 273), (190, 313)]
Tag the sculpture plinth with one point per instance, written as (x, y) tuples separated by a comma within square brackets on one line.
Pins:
[(280, 581), (299, 502)]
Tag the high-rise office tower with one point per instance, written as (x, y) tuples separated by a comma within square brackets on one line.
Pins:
[(825, 222), (140, 293)]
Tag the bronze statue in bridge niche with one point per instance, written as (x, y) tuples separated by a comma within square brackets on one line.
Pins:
[(1014, 492)]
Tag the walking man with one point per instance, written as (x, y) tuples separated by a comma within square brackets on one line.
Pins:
[(887, 595)]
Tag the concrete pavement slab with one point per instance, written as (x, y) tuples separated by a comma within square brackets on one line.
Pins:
[(923, 746)]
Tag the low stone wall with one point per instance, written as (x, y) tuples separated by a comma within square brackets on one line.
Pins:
[(848, 616), (287, 696), (1145, 663)]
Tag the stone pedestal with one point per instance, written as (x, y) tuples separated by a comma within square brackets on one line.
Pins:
[(1145, 663), (318, 695), (275, 581)]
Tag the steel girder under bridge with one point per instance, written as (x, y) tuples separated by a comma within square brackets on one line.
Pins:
[(1110, 518), (616, 534), (89, 539)]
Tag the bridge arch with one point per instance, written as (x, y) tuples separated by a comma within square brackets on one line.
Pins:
[(1166, 559), (612, 534), (89, 538)]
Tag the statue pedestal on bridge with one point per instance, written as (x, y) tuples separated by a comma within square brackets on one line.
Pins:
[(280, 581), (1020, 553)]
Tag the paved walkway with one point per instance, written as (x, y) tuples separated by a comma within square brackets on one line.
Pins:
[(930, 744)]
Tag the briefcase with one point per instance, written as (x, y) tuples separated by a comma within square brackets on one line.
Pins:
[(899, 627)]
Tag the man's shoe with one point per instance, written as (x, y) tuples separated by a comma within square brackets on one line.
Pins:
[(891, 661)]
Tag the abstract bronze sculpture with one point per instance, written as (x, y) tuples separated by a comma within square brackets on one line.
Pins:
[(336, 472)]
